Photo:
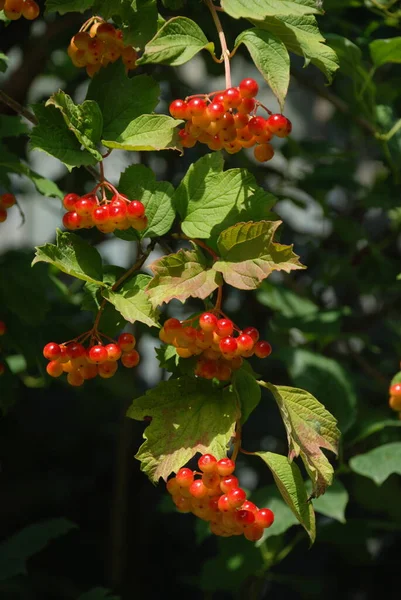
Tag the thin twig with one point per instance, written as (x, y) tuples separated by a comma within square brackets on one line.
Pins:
[(18, 108), (224, 50)]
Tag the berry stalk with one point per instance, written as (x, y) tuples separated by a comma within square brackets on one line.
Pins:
[(224, 50)]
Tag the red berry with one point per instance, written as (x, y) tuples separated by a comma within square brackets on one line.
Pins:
[(135, 209), (228, 345), (224, 327), (279, 125), (232, 98), (106, 31), (244, 517), (172, 486), (130, 359), (52, 351), (85, 206), (256, 125), (263, 152), (395, 390), (248, 88), (186, 139), (98, 354), (212, 481), (7, 200), (236, 497), (196, 107), (179, 109), (244, 343), (30, 10), (3, 328), (117, 213), (264, 517), (252, 332), (72, 220), (207, 369), (208, 321), (229, 482), (107, 369), (100, 214), (75, 350), (215, 111), (247, 505), (225, 466), (198, 489), (184, 477), (126, 341), (247, 106), (253, 533), (69, 201), (13, 9), (113, 351), (207, 463), (54, 368), (223, 504), (262, 349), (75, 378)]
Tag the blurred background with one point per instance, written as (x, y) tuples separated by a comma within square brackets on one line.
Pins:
[(77, 517)]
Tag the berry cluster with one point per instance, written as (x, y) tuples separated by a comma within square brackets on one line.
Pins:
[(3, 329), (6, 201), (15, 9), (219, 351), (101, 45), (85, 212), (395, 397), (216, 497), (228, 120), (82, 363)]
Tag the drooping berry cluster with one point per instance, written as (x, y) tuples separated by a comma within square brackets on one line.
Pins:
[(85, 212), (220, 351), (3, 329), (101, 45), (82, 363), (15, 9), (214, 495), (6, 202), (228, 120), (395, 397)]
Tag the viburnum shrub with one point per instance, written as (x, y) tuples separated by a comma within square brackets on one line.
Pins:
[(214, 230)]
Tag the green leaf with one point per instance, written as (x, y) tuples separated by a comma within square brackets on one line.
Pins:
[(52, 136), (333, 502), (366, 427), (16, 550), (210, 200), (132, 301), (301, 36), (255, 9), (284, 301), (248, 254), (73, 256), (270, 497), (288, 479), (43, 185), (11, 126), (66, 6), (98, 594), (379, 463), (3, 62), (325, 378), (188, 416), (122, 99), (182, 275), (248, 392), (139, 182), (176, 43), (309, 427), (138, 18), (147, 132), (84, 120), (385, 51), (271, 58)]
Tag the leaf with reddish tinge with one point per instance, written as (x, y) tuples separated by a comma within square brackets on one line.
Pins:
[(310, 427), (248, 254), (182, 275), (188, 416)]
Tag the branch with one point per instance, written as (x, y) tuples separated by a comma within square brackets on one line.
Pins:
[(224, 50)]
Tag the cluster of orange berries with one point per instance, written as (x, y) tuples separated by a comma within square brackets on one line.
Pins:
[(15, 9), (395, 397), (3, 329), (85, 212), (229, 121), (216, 497), (6, 202), (102, 45), (82, 363), (220, 353)]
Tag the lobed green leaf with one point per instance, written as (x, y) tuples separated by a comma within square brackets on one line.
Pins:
[(379, 463), (132, 301), (259, 9), (385, 51)]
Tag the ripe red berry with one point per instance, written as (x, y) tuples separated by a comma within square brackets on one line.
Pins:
[(263, 152), (247, 106), (172, 486), (100, 214), (395, 390), (198, 489), (225, 466), (252, 332), (264, 517), (13, 9), (232, 98), (30, 10), (257, 125), (215, 111), (113, 351), (98, 354), (130, 359), (248, 88), (179, 109), (229, 482), (126, 341), (236, 497), (208, 321), (184, 477), (228, 345), (207, 463), (85, 206), (69, 201), (54, 368), (253, 533), (248, 505), (75, 350), (279, 125), (224, 327), (262, 349), (244, 343), (135, 209), (7, 200), (207, 369), (72, 220), (75, 378), (3, 328), (244, 517), (196, 107), (223, 504), (52, 351), (106, 31)]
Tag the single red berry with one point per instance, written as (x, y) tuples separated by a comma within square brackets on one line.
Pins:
[(30, 10), (236, 497), (100, 214), (75, 350), (223, 504), (172, 486), (279, 125), (395, 390), (72, 220), (135, 209), (207, 369), (248, 88), (52, 351), (75, 378), (187, 141), (257, 125), (85, 206), (244, 517), (139, 224), (54, 368), (98, 354), (196, 107), (113, 351), (212, 482), (252, 332), (184, 477), (225, 466), (126, 341), (264, 517), (208, 321), (224, 327), (106, 32), (7, 200), (228, 345), (229, 482), (244, 343), (262, 349), (117, 214), (130, 359), (13, 9), (248, 505), (3, 328), (207, 463), (232, 98), (263, 152), (70, 200), (179, 109), (253, 533), (247, 106), (215, 111), (198, 489)]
